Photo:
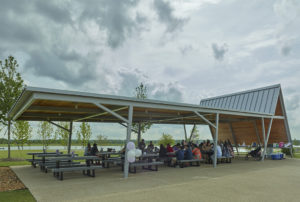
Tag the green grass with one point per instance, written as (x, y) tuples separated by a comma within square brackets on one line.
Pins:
[(297, 155), (17, 195), (19, 156)]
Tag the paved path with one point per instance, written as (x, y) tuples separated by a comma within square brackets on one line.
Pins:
[(239, 181)]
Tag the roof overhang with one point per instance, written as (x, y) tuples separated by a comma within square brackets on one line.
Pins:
[(42, 104)]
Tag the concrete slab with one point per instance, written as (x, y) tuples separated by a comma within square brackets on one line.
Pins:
[(238, 181)]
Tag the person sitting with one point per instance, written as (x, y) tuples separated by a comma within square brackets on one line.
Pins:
[(150, 148), (162, 152), (256, 153), (188, 153), (169, 148), (176, 147), (142, 145), (180, 153), (87, 150), (196, 152), (94, 150)]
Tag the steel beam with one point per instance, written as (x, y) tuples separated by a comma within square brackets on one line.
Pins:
[(126, 164), (267, 138), (216, 140), (234, 138), (185, 135), (28, 103), (204, 119), (139, 133), (145, 104), (70, 137), (100, 114), (111, 112), (8, 138), (122, 124), (257, 133), (192, 132), (59, 126), (286, 123)]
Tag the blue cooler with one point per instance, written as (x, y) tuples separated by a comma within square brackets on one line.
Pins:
[(277, 156)]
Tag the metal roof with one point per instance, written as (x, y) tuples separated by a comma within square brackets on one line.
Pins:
[(42, 104), (260, 100)]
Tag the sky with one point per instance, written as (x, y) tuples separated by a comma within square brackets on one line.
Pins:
[(183, 50)]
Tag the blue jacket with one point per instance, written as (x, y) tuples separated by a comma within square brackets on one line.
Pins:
[(180, 154), (188, 154)]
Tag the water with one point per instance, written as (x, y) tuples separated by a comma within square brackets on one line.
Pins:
[(117, 148)]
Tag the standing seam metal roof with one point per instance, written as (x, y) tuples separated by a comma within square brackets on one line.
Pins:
[(261, 100)]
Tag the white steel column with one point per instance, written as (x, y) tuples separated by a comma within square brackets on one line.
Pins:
[(191, 135), (185, 135), (139, 132), (129, 124), (216, 140), (267, 138), (8, 138), (70, 137)]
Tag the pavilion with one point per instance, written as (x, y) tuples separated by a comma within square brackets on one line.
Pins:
[(238, 117)]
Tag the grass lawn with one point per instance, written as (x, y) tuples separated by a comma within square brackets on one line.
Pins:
[(17, 195), (19, 156)]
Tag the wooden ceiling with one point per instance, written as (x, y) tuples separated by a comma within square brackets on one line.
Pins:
[(52, 110)]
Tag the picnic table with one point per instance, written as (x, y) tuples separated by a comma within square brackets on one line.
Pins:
[(48, 156), (33, 160), (105, 156), (146, 162), (58, 170)]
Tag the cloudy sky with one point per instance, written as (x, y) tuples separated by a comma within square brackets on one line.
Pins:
[(183, 50)]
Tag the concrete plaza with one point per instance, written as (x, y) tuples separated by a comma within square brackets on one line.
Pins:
[(239, 181)]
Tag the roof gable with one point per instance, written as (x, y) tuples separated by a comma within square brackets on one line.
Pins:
[(261, 100)]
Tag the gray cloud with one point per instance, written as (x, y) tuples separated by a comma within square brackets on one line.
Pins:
[(219, 51), (114, 17), (166, 16), (285, 50), (185, 49), (53, 11), (167, 92), (67, 67)]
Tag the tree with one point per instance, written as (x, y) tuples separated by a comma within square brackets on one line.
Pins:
[(22, 132), (166, 139), (102, 140), (84, 133), (194, 134), (61, 134), (141, 93), (11, 85), (45, 131)]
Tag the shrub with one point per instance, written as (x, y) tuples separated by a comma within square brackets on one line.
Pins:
[(287, 151)]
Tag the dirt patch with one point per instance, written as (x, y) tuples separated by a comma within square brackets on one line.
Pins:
[(9, 180)]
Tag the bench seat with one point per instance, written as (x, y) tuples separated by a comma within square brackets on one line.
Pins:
[(224, 159), (66, 164), (182, 162), (59, 171), (144, 164)]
